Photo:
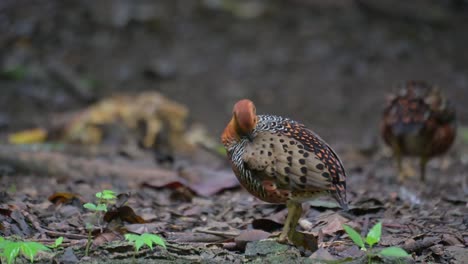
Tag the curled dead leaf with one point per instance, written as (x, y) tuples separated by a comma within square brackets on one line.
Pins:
[(65, 198), (106, 237), (335, 224), (201, 180), (124, 213)]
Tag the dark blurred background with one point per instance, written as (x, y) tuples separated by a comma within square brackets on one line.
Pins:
[(327, 63)]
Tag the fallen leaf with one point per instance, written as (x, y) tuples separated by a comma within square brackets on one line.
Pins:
[(335, 224), (148, 111), (144, 228), (65, 198), (202, 181), (451, 240), (106, 238), (206, 182), (323, 204), (249, 236), (305, 240), (366, 206), (36, 135), (124, 213)]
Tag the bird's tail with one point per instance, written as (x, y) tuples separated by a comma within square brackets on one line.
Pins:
[(340, 196)]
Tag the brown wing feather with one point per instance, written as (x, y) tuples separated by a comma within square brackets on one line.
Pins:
[(334, 170), (296, 159)]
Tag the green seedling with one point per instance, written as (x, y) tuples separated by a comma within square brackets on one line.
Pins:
[(58, 242), (106, 195), (140, 240), (95, 208), (105, 198), (372, 238), (10, 250)]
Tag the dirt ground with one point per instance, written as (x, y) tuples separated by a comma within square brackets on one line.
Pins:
[(327, 64)]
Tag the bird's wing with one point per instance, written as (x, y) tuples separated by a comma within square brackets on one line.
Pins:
[(295, 158)]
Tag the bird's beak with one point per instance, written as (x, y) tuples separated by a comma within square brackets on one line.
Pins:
[(250, 137)]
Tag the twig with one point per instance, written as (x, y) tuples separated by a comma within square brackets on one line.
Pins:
[(217, 233), (67, 235)]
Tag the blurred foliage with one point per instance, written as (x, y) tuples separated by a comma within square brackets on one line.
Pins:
[(463, 132), (17, 72)]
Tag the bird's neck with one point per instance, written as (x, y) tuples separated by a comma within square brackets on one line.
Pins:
[(230, 135)]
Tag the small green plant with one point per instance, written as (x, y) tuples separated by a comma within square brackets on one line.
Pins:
[(57, 243), (105, 198), (372, 238), (9, 250), (149, 239)]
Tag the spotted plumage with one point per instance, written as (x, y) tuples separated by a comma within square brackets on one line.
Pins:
[(418, 121), (281, 161)]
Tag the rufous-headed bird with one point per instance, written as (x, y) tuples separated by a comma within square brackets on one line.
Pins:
[(279, 160)]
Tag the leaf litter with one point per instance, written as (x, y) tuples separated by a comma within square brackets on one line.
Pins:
[(201, 211)]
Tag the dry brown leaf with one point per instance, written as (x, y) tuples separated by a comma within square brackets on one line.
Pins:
[(154, 111), (203, 181), (106, 238), (335, 224), (124, 213), (64, 198)]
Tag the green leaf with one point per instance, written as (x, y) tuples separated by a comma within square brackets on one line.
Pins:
[(90, 206), (374, 234), (148, 242), (159, 241), (106, 195), (394, 252), (357, 239), (58, 242), (11, 251), (89, 226), (3, 242), (131, 237), (30, 249), (139, 243), (156, 239), (101, 207)]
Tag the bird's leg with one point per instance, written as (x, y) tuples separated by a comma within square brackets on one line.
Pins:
[(422, 168), (404, 170), (294, 213), (401, 174)]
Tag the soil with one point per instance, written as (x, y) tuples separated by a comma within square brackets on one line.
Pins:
[(329, 65)]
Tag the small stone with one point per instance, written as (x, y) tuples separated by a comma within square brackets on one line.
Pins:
[(321, 254), (69, 257)]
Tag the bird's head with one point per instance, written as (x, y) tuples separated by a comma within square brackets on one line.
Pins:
[(243, 122)]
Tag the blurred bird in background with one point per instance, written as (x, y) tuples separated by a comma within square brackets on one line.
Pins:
[(419, 121)]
